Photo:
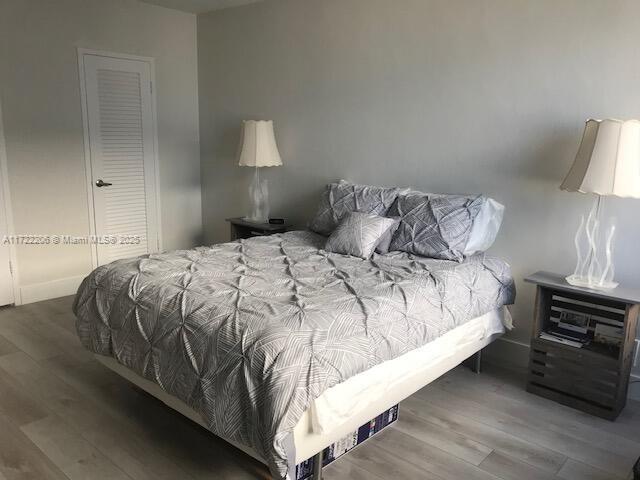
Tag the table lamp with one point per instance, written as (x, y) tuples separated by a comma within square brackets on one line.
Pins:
[(607, 163), (258, 149)]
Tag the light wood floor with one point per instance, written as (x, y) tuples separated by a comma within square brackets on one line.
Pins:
[(64, 416)]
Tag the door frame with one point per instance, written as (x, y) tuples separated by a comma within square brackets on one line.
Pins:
[(87, 143), (8, 211)]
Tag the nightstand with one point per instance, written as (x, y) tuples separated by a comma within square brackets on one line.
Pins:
[(593, 378), (241, 228)]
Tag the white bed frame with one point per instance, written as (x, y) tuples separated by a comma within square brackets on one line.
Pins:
[(307, 443)]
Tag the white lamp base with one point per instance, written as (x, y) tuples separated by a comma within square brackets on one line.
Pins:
[(584, 281)]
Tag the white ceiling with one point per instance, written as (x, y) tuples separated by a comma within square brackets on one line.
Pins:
[(199, 6)]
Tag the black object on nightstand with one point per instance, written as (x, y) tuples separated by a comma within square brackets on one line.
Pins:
[(241, 228), (593, 377)]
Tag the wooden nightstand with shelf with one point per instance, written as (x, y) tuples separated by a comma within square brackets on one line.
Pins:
[(241, 228), (595, 377)]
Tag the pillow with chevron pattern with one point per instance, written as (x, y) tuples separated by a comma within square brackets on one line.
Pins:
[(385, 241), (341, 198), (435, 226), (358, 234)]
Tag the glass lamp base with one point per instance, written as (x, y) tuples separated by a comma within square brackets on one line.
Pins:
[(259, 200), (594, 268), (586, 282)]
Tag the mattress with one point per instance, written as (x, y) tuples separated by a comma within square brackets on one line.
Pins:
[(249, 333)]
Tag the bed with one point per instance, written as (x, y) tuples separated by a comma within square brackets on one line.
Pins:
[(282, 348)]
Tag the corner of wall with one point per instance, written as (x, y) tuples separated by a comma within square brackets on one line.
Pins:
[(634, 387), (507, 353)]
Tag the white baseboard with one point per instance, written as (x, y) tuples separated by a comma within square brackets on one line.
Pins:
[(61, 287), (514, 355)]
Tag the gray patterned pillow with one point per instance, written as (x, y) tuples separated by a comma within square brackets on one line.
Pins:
[(358, 234), (435, 226), (341, 198), (385, 241)]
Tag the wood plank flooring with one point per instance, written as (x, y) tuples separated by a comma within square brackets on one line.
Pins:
[(64, 416)]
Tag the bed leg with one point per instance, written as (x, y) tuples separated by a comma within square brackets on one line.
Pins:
[(476, 362), (317, 467)]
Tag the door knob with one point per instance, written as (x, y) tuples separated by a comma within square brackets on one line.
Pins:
[(100, 183)]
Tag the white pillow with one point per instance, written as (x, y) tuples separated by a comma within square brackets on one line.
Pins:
[(485, 227)]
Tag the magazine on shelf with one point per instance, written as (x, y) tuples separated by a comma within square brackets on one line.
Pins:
[(563, 341)]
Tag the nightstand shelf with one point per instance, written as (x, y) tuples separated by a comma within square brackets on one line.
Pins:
[(595, 377), (241, 228)]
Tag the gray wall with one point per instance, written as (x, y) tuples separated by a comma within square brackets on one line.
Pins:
[(446, 96), (40, 96)]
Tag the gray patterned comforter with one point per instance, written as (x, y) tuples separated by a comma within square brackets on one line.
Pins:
[(249, 333)]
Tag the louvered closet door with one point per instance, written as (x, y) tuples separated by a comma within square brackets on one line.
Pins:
[(121, 138)]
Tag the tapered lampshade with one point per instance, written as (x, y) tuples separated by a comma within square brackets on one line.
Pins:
[(258, 145), (608, 160)]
